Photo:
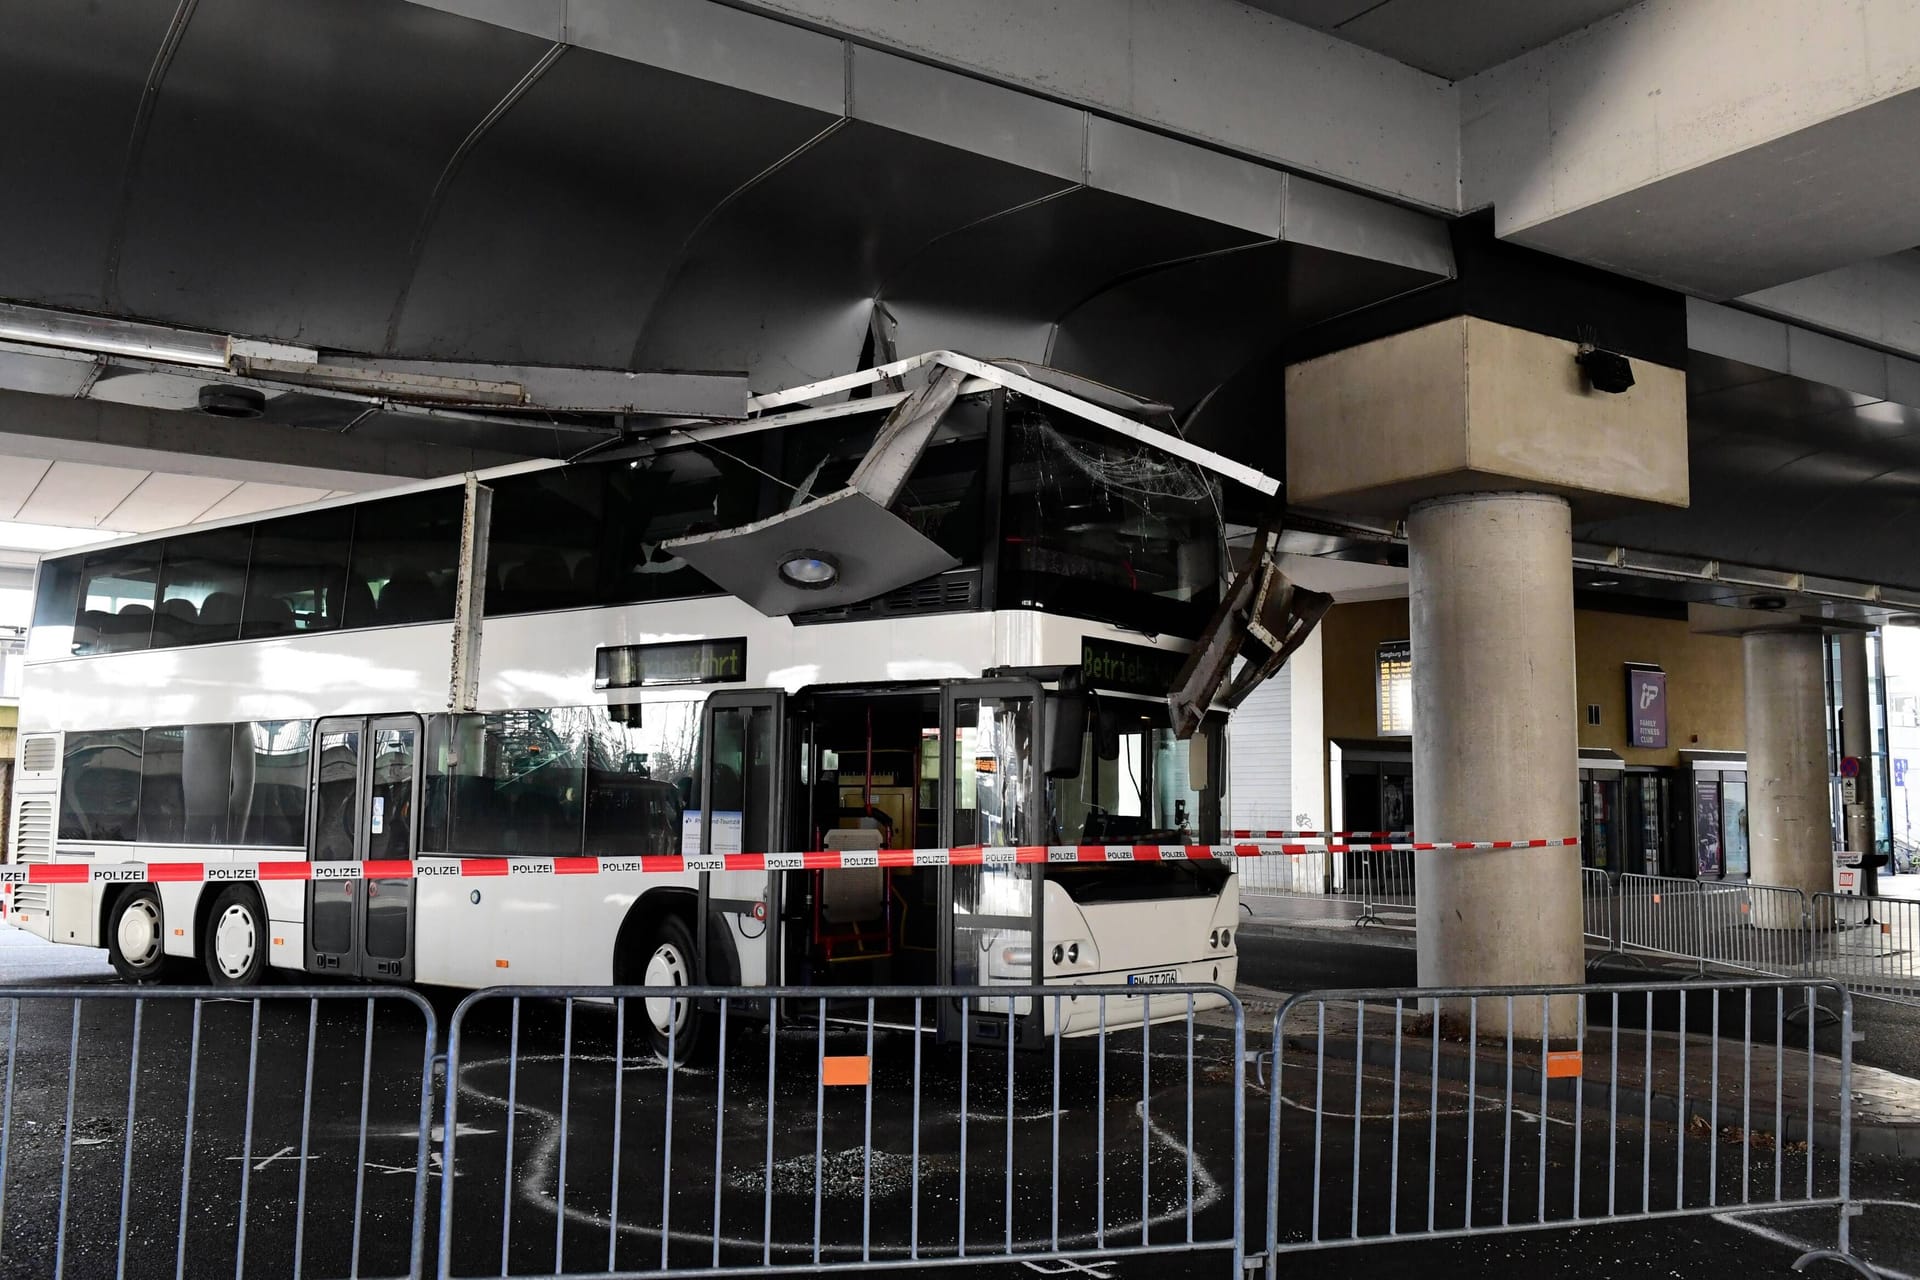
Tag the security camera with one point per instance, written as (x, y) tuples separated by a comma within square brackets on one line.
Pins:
[(1607, 371)]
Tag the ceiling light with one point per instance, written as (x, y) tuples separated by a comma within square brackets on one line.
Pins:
[(1604, 582), (809, 570)]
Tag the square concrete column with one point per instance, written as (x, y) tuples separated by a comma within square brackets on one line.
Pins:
[(1495, 747)]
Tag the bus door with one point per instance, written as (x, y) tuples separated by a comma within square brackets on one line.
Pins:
[(991, 794), (743, 789), (366, 777)]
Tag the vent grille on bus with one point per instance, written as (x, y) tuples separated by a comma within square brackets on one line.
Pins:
[(956, 592), (40, 753), (33, 842)]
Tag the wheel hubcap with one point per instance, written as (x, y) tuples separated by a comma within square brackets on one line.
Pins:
[(234, 942), (139, 933), (667, 968)]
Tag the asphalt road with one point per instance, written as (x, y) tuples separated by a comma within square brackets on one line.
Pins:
[(1118, 1120)]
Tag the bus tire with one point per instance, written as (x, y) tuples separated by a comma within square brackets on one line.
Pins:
[(235, 946), (136, 936), (674, 1029)]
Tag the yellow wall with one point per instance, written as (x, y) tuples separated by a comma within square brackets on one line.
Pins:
[(1705, 680)]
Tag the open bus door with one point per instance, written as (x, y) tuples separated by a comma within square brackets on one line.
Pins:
[(992, 793), (743, 791)]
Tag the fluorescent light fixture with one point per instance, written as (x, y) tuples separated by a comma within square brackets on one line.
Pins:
[(21, 536), (108, 336)]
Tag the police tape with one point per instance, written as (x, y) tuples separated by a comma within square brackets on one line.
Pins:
[(1322, 835), (432, 866)]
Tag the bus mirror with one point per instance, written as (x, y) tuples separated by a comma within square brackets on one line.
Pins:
[(1066, 731), (1197, 777), (1106, 735)]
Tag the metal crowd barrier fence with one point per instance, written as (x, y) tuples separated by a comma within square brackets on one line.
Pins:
[(1551, 1107), (198, 1131), (1869, 944), (586, 1136), (1596, 905)]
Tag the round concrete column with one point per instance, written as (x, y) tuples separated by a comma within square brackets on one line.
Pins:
[(1789, 808), (1495, 749)]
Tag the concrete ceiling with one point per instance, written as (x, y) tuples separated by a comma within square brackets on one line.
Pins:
[(1453, 40)]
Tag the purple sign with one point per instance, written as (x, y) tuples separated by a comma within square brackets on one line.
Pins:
[(1646, 707)]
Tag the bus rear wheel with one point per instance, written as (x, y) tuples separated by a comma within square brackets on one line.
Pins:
[(235, 947), (675, 1026), (136, 937)]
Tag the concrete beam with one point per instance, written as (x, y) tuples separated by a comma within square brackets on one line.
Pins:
[(1876, 301), (120, 435), (1715, 146), (1214, 71)]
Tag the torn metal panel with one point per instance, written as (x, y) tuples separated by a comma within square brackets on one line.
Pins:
[(1263, 618)]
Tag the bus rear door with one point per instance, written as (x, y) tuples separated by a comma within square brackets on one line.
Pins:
[(366, 777)]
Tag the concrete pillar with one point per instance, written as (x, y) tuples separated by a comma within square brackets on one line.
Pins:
[(1789, 813), (1495, 747), (1856, 739)]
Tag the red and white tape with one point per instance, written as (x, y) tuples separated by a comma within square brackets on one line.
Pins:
[(430, 868), (1323, 835)]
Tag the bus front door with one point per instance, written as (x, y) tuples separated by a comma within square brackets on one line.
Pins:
[(366, 777), (992, 795), (743, 792)]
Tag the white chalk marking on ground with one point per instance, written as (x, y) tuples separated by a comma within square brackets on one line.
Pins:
[(284, 1153), (540, 1166), (1802, 1245)]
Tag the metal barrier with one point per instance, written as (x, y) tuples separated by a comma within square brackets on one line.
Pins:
[(1596, 906), (1365, 878), (1551, 1107), (1871, 945), (586, 1136), (196, 1131)]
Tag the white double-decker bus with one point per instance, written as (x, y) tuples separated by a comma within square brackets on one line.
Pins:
[(666, 650)]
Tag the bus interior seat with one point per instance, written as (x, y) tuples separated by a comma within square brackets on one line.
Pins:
[(266, 615), (359, 610), (130, 628), (176, 622), (220, 611), (88, 630), (406, 598)]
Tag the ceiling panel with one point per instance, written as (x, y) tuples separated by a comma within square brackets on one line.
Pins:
[(18, 476), (293, 151), (254, 496), (78, 494), (166, 501), (71, 77), (1792, 475)]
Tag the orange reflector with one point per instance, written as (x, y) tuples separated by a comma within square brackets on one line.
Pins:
[(1563, 1066), (1745, 907), (278, 942), (500, 964), (1886, 928), (855, 1071), (1656, 899), (181, 933)]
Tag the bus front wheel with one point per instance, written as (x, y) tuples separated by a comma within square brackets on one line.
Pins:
[(136, 937), (235, 947), (674, 1025)]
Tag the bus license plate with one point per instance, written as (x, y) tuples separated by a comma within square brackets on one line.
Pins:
[(1158, 978)]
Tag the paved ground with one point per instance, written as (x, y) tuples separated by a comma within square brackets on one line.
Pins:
[(546, 1201)]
